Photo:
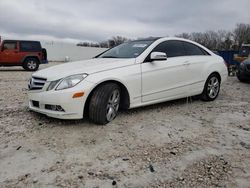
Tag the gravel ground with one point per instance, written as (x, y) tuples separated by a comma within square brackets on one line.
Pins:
[(175, 144)]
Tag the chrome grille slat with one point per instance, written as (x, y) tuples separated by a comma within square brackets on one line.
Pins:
[(36, 83), (39, 81)]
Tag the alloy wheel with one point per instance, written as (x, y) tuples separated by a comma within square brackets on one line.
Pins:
[(213, 87), (113, 105), (31, 65)]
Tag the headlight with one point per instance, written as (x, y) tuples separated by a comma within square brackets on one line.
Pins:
[(71, 81), (52, 85), (242, 65)]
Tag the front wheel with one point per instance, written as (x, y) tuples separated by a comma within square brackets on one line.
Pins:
[(31, 64), (104, 103), (238, 74), (212, 88)]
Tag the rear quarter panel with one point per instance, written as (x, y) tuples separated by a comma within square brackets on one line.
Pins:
[(215, 64)]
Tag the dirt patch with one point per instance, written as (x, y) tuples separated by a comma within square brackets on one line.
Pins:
[(173, 144)]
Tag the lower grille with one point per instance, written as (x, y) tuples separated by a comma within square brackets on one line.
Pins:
[(36, 83), (54, 107)]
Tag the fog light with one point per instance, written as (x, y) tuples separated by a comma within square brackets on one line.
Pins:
[(59, 108), (54, 107)]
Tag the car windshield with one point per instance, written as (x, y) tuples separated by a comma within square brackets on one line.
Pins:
[(129, 49), (244, 51)]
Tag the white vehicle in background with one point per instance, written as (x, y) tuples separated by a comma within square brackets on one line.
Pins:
[(133, 74)]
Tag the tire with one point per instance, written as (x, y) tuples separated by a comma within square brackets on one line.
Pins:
[(31, 64), (104, 103), (212, 88), (240, 79), (239, 76)]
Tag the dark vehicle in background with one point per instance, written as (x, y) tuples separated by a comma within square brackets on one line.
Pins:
[(243, 70), (243, 54), (28, 54)]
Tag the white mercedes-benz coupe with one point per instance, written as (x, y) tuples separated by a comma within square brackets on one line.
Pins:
[(135, 73)]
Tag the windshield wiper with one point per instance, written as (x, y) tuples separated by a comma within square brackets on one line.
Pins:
[(108, 57)]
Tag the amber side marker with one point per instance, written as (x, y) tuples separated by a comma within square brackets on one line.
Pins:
[(77, 95)]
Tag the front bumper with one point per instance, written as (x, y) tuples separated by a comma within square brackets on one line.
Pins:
[(245, 75), (244, 72), (73, 107), (45, 61)]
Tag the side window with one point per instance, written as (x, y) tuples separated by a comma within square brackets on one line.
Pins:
[(172, 48), (192, 49), (9, 46), (26, 46)]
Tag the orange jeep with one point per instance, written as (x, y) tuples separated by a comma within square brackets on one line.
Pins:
[(28, 54)]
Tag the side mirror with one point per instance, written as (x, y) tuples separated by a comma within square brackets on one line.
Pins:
[(158, 56)]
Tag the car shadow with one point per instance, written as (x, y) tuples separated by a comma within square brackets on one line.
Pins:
[(162, 105), (12, 70), (246, 82), (45, 120)]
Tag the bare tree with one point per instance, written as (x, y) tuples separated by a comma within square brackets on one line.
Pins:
[(117, 40), (242, 34), (104, 44), (225, 40), (184, 35), (214, 40)]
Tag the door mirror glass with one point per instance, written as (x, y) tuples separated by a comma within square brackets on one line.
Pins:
[(158, 56)]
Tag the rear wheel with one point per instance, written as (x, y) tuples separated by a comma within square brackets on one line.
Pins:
[(104, 103), (212, 88), (31, 64)]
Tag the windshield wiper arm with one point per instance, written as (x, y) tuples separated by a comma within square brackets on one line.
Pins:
[(109, 57)]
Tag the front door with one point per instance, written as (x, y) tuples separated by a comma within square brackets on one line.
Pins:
[(167, 79), (9, 54)]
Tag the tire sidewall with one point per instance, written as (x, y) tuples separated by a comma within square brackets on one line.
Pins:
[(98, 110)]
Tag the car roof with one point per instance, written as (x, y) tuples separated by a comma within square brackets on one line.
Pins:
[(164, 38), (147, 39), (21, 41)]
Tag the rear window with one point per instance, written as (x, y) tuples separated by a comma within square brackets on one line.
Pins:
[(27, 46), (172, 48), (192, 49)]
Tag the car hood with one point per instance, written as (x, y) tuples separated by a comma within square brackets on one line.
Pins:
[(78, 67)]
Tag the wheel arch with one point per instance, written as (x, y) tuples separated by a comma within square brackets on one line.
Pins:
[(214, 72), (30, 56), (217, 73), (125, 96)]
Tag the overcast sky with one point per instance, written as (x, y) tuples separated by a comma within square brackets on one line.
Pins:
[(98, 20)]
